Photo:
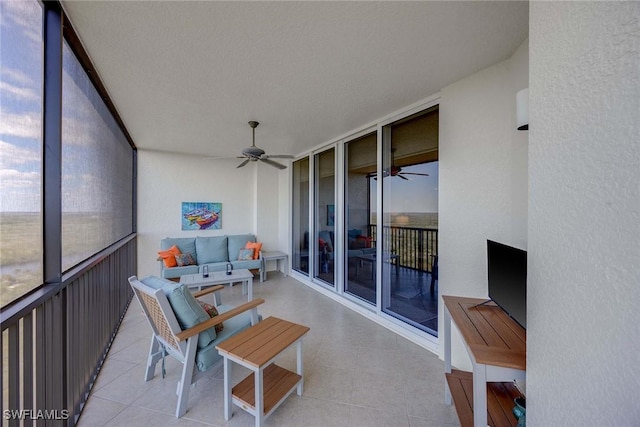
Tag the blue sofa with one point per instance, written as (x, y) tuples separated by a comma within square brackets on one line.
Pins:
[(215, 252)]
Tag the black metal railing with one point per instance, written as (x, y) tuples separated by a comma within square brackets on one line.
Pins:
[(415, 247), (55, 341)]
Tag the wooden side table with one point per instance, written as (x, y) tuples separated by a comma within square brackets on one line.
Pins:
[(278, 257), (497, 346), (269, 385)]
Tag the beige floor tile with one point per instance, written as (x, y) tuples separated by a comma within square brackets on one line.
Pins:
[(357, 373), (135, 416), (367, 417), (97, 412), (112, 369), (377, 391), (328, 383)]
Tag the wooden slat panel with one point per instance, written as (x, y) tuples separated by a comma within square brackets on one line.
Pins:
[(262, 342), (486, 330), (504, 395), (500, 357), (231, 343), (499, 400), (245, 390), (513, 334), (277, 383), (273, 347), (492, 336), (459, 314), (245, 349), (462, 402)]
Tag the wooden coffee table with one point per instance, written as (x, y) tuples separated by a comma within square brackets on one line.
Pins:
[(269, 385), (220, 278)]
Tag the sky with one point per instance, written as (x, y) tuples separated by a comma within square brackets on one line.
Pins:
[(94, 149), (20, 105), (417, 194)]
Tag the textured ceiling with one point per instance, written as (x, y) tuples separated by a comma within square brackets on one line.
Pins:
[(187, 76)]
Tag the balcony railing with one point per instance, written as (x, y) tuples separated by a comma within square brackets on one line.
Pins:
[(415, 247), (55, 341)]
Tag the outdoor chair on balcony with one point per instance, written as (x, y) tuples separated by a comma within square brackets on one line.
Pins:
[(184, 330)]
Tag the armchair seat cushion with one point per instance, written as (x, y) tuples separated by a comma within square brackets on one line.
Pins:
[(207, 356)]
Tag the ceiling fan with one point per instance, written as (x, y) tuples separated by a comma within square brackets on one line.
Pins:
[(253, 153), (395, 171)]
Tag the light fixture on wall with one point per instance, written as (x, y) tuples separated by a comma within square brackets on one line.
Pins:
[(522, 109)]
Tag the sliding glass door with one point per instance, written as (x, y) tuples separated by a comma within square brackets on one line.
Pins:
[(410, 220), (360, 185), (325, 195), (300, 215)]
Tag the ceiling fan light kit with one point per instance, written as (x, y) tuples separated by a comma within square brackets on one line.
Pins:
[(253, 153)]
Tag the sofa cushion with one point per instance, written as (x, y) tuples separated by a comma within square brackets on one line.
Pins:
[(188, 311), (249, 265), (212, 249), (176, 272), (238, 242), (185, 244)]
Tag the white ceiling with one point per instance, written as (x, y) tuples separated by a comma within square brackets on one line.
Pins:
[(187, 76)]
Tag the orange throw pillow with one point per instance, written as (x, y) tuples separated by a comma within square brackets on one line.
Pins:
[(256, 249), (169, 256)]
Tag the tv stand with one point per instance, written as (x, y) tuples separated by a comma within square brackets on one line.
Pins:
[(497, 347)]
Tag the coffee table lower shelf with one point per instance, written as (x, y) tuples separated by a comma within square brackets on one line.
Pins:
[(500, 397), (279, 383)]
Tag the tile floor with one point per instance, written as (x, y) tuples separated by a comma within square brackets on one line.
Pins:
[(356, 373)]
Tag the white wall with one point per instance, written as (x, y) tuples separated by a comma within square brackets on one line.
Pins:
[(165, 180), (583, 339), (483, 179)]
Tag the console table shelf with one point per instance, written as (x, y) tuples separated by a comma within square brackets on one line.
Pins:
[(497, 347), (499, 399), (278, 383)]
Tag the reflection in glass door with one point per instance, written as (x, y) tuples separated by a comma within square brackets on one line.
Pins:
[(300, 215), (410, 220), (360, 184), (325, 176)]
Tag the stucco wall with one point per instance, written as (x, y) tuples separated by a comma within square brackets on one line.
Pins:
[(483, 179), (583, 339), (166, 180)]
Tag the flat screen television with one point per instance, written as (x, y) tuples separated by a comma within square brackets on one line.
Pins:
[(507, 277)]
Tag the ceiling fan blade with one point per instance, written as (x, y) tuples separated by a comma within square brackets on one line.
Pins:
[(272, 163), (277, 156), (403, 177), (415, 173), (243, 163)]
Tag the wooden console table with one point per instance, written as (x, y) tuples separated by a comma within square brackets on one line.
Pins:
[(269, 385), (497, 347)]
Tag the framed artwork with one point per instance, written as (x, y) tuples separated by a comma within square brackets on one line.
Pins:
[(331, 215), (201, 216)]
